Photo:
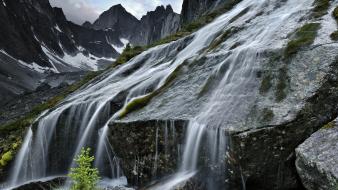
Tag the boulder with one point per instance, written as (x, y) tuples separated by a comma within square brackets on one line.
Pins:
[(317, 160)]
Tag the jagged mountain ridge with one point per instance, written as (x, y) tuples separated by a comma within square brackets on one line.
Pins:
[(37, 39), (155, 25)]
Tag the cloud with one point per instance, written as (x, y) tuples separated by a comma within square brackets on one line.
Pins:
[(79, 11)]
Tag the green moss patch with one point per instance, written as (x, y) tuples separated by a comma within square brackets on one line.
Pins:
[(266, 84), (7, 157), (267, 115), (140, 102), (329, 125), (334, 36), (320, 8), (283, 80), (335, 14), (303, 37), (223, 37), (128, 53)]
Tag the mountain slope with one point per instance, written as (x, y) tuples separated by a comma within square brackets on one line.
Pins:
[(36, 39)]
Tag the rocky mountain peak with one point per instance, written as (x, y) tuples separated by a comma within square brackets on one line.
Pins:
[(117, 7), (169, 8), (116, 18), (87, 24)]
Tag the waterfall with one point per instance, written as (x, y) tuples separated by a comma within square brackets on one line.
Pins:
[(83, 119)]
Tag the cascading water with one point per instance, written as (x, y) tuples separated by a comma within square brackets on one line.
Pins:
[(82, 119)]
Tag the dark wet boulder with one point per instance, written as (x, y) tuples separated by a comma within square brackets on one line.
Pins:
[(48, 184), (148, 150)]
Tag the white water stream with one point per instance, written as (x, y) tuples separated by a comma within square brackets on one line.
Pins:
[(82, 119)]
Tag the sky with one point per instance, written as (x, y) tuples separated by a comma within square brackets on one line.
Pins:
[(80, 11)]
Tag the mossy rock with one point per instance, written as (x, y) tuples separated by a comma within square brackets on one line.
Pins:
[(7, 157), (320, 8), (335, 13), (303, 37), (334, 36), (329, 125)]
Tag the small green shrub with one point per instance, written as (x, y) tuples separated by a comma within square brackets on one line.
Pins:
[(303, 37), (84, 176), (7, 157), (129, 53)]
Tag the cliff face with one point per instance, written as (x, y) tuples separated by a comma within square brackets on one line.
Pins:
[(30, 26), (153, 26), (117, 19), (192, 9), (156, 25)]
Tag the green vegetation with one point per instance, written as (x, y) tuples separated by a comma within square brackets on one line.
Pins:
[(7, 157), (266, 84), (320, 8), (84, 177), (139, 102), (329, 125), (334, 35), (282, 84), (221, 38), (267, 114), (129, 53), (335, 13), (303, 37)]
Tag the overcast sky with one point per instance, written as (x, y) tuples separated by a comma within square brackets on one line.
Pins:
[(79, 11)]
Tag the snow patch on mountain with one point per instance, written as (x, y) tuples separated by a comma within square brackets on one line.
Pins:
[(32, 66), (120, 49)]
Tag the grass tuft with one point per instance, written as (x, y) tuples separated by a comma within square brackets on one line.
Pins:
[(303, 37), (320, 8)]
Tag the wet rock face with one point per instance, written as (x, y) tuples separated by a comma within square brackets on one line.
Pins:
[(266, 155), (148, 150), (317, 160), (192, 9), (157, 24)]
